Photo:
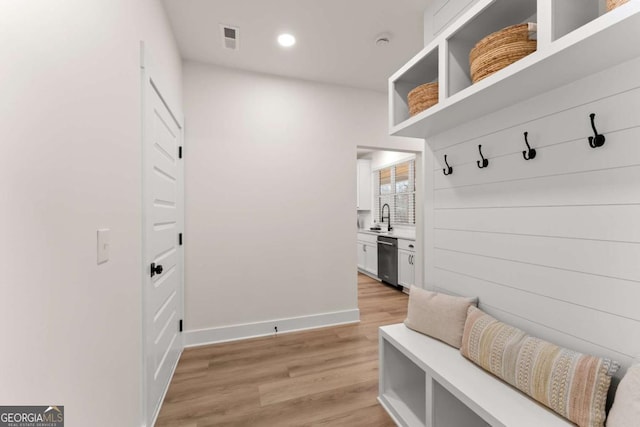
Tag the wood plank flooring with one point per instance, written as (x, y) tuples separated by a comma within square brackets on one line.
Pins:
[(323, 377)]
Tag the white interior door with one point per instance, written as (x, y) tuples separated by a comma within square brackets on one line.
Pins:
[(163, 257)]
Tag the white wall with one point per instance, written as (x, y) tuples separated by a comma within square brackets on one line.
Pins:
[(70, 164), (270, 200), (551, 244)]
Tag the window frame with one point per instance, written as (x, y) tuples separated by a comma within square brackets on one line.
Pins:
[(391, 198)]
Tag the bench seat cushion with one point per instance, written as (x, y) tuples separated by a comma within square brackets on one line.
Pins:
[(574, 385)]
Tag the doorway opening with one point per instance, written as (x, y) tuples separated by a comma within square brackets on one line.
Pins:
[(389, 217)]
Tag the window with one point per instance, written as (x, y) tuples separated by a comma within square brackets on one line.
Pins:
[(396, 187)]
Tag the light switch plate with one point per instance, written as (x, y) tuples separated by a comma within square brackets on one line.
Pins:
[(103, 245)]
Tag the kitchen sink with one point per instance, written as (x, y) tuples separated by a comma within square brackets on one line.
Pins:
[(381, 231)]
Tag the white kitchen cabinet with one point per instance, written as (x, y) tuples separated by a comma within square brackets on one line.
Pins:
[(364, 185), (406, 263), (362, 254), (368, 253), (368, 257), (406, 269), (371, 258)]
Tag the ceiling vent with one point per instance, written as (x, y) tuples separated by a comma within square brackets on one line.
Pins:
[(230, 37)]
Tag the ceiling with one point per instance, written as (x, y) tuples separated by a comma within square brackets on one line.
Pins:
[(335, 38)]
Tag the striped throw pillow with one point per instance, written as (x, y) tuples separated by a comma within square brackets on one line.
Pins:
[(572, 384)]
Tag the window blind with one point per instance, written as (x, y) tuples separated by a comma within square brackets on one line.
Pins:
[(395, 186)]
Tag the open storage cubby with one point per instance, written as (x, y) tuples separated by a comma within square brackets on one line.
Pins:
[(576, 38), (403, 386), (569, 15), (417, 399), (424, 70), (448, 411), (496, 16)]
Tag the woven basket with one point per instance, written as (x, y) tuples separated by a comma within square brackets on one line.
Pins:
[(501, 49), (422, 97), (612, 4)]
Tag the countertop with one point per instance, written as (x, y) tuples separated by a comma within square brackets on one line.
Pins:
[(400, 234)]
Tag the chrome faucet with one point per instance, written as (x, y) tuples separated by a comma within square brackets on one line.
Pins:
[(389, 228)]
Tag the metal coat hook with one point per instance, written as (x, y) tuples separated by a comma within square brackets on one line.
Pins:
[(597, 140), (448, 170), (485, 162), (529, 153)]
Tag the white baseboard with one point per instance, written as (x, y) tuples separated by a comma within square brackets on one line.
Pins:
[(259, 329), (366, 273)]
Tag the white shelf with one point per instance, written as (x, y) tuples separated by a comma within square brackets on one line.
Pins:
[(461, 39), (402, 387), (581, 49), (423, 68), (401, 410)]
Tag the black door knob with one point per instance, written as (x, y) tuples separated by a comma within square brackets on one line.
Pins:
[(155, 269)]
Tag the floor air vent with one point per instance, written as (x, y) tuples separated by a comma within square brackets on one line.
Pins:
[(230, 37)]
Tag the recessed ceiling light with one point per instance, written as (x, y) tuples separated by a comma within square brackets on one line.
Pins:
[(286, 40)]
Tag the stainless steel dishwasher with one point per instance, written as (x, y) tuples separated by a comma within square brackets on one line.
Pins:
[(388, 260)]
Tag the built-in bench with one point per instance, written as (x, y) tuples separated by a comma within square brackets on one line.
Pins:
[(424, 382)]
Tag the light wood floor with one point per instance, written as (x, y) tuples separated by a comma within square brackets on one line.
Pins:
[(324, 377)]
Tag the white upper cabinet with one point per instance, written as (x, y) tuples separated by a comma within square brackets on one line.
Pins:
[(364, 185), (576, 38)]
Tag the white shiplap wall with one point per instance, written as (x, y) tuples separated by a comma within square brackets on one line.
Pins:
[(551, 245)]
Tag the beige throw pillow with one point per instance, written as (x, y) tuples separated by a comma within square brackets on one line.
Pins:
[(625, 411), (438, 315)]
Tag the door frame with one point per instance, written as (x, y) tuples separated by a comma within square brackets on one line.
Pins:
[(147, 83), (424, 194)]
